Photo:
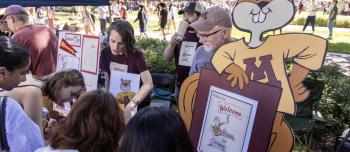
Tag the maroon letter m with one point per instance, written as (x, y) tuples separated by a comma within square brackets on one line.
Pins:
[(264, 70)]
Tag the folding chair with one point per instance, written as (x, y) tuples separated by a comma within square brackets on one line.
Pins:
[(344, 141), (307, 119)]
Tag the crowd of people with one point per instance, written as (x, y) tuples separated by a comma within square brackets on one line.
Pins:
[(30, 86)]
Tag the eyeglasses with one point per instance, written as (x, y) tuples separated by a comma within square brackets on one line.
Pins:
[(207, 35)]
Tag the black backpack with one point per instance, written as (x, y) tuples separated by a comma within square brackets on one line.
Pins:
[(3, 139)]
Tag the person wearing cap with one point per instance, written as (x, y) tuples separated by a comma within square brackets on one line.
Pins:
[(190, 14), (214, 29), (40, 41)]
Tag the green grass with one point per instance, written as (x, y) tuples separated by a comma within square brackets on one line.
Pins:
[(340, 42)]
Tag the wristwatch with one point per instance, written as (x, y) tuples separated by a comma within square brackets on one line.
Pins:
[(135, 101)]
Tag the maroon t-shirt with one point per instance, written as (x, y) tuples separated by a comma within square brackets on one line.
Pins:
[(182, 71), (41, 44), (135, 63)]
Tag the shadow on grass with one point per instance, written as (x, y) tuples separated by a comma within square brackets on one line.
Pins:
[(340, 47)]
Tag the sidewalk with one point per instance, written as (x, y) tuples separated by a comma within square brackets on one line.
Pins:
[(343, 60)]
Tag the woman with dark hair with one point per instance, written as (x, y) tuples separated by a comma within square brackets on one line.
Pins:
[(94, 124), (156, 129), (142, 18), (19, 132), (60, 87), (124, 57)]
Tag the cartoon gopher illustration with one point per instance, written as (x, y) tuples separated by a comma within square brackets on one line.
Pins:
[(125, 96), (264, 61)]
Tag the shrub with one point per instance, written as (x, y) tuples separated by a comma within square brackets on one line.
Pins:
[(153, 50), (321, 21), (335, 101)]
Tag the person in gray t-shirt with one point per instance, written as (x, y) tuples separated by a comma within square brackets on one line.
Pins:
[(202, 59)]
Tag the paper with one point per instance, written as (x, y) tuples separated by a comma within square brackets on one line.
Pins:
[(124, 86), (80, 52), (68, 62), (118, 67), (181, 30), (89, 55), (73, 39), (228, 122), (64, 111), (187, 52)]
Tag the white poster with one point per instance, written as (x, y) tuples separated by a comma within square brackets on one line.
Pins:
[(81, 52), (187, 52), (90, 54), (228, 122), (124, 86)]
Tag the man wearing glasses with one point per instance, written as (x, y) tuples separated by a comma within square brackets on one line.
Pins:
[(214, 30), (39, 40)]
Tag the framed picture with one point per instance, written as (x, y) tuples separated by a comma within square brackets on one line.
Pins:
[(228, 122), (230, 119)]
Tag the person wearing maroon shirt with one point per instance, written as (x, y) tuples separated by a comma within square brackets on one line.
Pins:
[(190, 14), (39, 40), (124, 57)]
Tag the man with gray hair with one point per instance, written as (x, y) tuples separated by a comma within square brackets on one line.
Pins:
[(39, 40), (214, 30)]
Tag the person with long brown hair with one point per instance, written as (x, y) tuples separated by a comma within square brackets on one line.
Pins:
[(95, 124), (123, 56), (36, 93)]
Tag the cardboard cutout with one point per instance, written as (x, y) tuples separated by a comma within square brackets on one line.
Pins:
[(263, 61)]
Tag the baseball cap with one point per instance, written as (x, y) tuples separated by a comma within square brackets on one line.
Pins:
[(211, 17), (192, 7), (14, 9)]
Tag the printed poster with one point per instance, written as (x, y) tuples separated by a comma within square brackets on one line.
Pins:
[(81, 52), (187, 52), (228, 122), (124, 86), (90, 54)]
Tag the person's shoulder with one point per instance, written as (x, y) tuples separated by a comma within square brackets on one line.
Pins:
[(13, 105), (138, 52)]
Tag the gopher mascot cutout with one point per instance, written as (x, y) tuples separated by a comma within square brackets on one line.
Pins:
[(263, 60)]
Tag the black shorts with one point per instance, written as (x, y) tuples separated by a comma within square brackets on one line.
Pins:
[(162, 24)]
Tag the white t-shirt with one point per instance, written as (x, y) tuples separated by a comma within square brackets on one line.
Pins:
[(116, 10), (23, 134), (102, 12), (312, 9), (49, 149)]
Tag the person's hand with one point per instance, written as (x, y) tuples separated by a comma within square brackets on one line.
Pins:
[(236, 73), (175, 40), (130, 106), (299, 91), (128, 111)]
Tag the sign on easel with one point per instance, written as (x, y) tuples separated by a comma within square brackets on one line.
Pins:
[(81, 52)]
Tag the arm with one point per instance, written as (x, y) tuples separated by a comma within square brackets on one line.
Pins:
[(107, 79), (33, 105), (296, 78), (144, 90), (223, 60), (169, 51)]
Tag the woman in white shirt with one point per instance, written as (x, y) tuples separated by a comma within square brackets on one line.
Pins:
[(311, 18), (22, 134)]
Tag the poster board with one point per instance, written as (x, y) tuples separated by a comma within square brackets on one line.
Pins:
[(124, 86), (187, 53), (265, 112), (81, 52)]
